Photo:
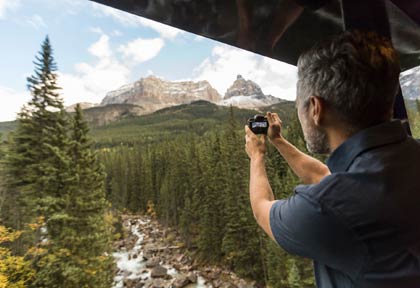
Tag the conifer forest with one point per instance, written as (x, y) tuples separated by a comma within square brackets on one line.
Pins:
[(65, 184)]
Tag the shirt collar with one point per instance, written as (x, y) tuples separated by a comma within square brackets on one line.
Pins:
[(375, 136)]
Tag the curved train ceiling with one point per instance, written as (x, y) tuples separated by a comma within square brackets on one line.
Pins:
[(282, 29)]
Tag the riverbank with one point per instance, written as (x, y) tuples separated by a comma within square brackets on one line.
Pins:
[(151, 256)]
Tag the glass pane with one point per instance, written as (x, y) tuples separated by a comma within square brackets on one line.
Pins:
[(410, 86)]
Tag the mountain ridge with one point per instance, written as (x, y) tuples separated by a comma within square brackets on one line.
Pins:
[(153, 93)]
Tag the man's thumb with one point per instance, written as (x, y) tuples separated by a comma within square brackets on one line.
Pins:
[(263, 138)]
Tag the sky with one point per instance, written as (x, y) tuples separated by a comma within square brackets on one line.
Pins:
[(98, 49)]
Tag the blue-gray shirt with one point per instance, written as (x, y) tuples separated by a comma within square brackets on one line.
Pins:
[(361, 224)]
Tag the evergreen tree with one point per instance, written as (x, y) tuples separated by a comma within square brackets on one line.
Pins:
[(241, 243), (211, 224), (79, 236), (36, 162), (55, 176), (189, 219)]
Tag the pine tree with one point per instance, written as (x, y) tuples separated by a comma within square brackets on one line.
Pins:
[(189, 219), (37, 164), (78, 245), (241, 243), (211, 224)]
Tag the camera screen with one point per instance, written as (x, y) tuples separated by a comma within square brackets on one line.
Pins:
[(259, 125)]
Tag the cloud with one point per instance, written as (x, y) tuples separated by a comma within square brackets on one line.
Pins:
[(91, 82), (117, 33), (96, 30), (226, 62), (199, 38), (101, 48), (8, 5), (128, 19), (165, 31), (11, 102), (36, 21), (142, 50)]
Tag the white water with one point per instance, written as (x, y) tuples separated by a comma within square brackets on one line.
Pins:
[(131, 268)]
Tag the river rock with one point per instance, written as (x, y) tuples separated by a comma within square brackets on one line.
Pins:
[(192, 277), (150, 248), (243, 284), (131, 283), (159, 271), (181, 281), (217, 283), (177, 266), (214, 274), (155, 283), (153, 262), (147, 254)]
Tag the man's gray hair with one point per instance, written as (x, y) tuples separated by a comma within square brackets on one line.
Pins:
[(355, 73)]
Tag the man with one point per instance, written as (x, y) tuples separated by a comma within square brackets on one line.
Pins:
[(358, 217)]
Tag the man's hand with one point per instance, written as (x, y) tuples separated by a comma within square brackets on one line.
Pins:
[(254, 146), (307, 168), (275, 126)]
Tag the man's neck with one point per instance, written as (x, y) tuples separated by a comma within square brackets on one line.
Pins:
[(336, 137)]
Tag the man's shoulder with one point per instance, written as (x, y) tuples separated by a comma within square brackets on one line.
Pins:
[(329, 184), (341, 193)]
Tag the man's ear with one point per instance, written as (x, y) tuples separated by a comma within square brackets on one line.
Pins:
[(317, 109)]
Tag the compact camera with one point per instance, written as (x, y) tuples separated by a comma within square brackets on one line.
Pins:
[(258, 124)]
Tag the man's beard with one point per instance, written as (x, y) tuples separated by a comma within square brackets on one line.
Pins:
[(317, 141)]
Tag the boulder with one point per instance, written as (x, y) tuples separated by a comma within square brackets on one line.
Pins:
[(243, 284), (153, 262), (217, 283), (159, 272), (181, 281), (214, 274), (157, 283), (192, 277), (131, 283)]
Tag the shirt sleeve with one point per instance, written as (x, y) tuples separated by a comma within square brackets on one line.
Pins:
[(301, 227)]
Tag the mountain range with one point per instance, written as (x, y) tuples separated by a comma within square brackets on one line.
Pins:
[(152, 93), (153, 96)]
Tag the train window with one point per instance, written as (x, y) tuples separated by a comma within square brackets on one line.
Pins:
[(410, 86)]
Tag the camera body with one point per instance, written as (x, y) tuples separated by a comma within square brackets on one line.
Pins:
[(258, 124)]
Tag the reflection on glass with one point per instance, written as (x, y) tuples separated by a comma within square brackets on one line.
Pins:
[(410, 86)]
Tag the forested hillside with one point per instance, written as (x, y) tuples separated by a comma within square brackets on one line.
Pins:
[(197, 180), (60, 190)]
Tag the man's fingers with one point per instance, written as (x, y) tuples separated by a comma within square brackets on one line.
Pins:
[(247, 130), (277, 118), (269, 118)]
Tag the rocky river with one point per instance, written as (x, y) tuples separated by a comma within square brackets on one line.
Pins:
[(147, 257)]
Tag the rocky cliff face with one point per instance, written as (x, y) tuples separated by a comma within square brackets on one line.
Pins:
[(83, 105), (410, 83), (247, 94), (242, 87), (153, 93)]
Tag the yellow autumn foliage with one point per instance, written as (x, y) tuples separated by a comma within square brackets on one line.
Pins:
[(15, 271)]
